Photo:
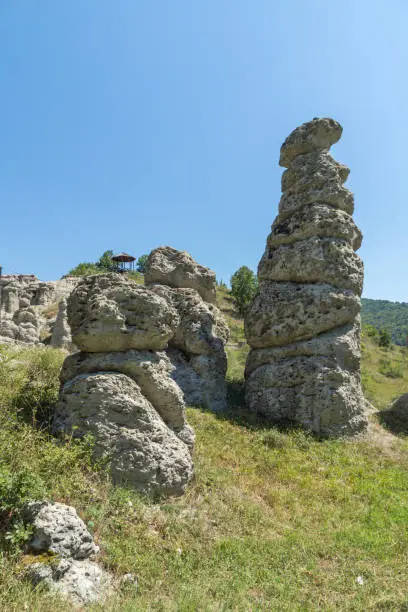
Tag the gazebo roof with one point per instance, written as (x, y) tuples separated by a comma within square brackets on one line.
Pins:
[(123, 257)]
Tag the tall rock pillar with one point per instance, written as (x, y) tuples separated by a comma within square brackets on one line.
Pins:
[(304, 325)]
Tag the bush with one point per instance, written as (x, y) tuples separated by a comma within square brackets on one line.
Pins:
[(384, 338)]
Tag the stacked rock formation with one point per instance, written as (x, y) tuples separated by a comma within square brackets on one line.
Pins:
[(23, 302), (303, 326), (197, 349), (119, 387)]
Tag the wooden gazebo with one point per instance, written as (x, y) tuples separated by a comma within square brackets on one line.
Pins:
[(124, 262)]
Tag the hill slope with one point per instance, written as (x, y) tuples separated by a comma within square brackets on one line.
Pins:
[(389, 315), (274, 520)]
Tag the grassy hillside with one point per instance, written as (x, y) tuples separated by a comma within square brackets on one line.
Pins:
[(389, 315), (273, 520)]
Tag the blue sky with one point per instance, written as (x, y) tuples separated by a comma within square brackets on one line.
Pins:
[(131, 124)]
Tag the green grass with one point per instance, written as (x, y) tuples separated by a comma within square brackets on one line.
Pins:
[(273, 520)]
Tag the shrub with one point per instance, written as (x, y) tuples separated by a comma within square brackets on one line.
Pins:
[(384, 338), (16, 490)]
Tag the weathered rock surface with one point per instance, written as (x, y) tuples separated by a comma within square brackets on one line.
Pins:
[(57, 529), (126, 397), (110, 313), (61, 333), (315, 220), (168, 266), (309, 137), (314, 260), (144, 352), (24, 301), (83, 582), (197, 349), (150, 370), (71, 569), (303, 326), (283, 313), (127, 430)]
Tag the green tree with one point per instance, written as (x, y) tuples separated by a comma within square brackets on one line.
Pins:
[(141, 263), (105, 261), (244, 285)]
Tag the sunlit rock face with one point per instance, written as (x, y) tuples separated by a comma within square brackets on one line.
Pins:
[(119, 387), (304, 325), (197, 349), (26, 310)]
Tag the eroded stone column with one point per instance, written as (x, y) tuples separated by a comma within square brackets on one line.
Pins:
[(304, 325)]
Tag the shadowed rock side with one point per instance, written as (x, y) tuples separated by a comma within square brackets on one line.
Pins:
[(303, 326), (197, 348), (119, 387)]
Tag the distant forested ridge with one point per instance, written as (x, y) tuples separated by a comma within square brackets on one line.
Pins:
[(383, 314)]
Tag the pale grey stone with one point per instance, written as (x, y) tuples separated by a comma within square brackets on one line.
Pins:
[(141, 449), (284, 313), (82, 582), (304, 326), (61, 333), (58, 529), (314, 135), (331, 195), (314, 220), (314, 260), (201, 378), (168, 266), (313, 171), (110, 313), (341, 344), (202, 328), (314, 392), (24, 299), (152, 371)]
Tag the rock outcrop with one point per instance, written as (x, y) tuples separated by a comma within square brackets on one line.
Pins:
[(303, 326), (119, 387), (168, 266), (66, 554), (197, 348), (25, 315), (61, 333)]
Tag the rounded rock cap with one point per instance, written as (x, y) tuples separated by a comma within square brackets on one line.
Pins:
[(311, 136)]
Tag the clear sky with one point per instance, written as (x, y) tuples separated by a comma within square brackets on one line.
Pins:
[(130, 124)]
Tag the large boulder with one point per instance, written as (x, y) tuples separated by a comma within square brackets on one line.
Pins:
[(110, 313), (128, 432), (303, 325), (168, 266)]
